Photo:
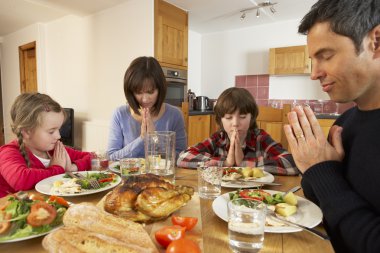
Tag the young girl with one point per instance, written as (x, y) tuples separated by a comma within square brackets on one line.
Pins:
[(37, 153), (239, 142), (145, 91)]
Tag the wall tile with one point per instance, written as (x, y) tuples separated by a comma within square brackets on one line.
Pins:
[(262, 102), (252, 81), (263, 92), (240, 81), (263, 80), (344, 107)]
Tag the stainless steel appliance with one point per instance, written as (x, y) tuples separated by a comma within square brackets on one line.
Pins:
[(202, 103), (176, 91)]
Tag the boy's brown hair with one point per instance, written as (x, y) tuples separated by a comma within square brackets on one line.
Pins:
[(233, 99)]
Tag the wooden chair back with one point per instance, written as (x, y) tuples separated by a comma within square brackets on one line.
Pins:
[(272, 121)]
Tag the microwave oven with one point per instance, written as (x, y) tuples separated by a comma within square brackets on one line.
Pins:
[(176, 90)]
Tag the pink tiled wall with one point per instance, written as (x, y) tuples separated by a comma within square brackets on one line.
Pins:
[(258, 85)]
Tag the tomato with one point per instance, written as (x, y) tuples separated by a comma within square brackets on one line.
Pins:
[(36, 196), (254, 194), (229, 171), (166, 235), (58, 200), (187, 222), (110, 179), (4, 223), (41, 213), (183, 245)]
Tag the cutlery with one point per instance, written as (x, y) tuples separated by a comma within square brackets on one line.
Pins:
[(290, 223), (243, 182), (294, 189), (94, 183)]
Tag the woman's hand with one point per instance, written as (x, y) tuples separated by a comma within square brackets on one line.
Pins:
[(239, 155), (59, 157), (147, 124)]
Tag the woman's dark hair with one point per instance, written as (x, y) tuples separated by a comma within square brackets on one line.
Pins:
[(234, 99), (144, 73), (351, 18)]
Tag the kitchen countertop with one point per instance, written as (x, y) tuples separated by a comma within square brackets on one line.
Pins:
[(195, 112)]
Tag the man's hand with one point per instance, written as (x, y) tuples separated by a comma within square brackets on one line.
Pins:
[(307, 142)]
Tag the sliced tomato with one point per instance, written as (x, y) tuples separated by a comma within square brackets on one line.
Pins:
[(41, 213), (110, 179), (36, 196), (227, 171), (58, 200), (4, 223), (166, 235), (187, 222), (254, 194), (183, 245)]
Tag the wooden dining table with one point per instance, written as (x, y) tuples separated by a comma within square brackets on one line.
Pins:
[(214, 230)]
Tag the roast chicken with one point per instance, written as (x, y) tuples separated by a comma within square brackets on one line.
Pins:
[(146, 198)]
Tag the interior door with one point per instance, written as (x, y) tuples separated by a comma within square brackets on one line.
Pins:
[(28, 67)]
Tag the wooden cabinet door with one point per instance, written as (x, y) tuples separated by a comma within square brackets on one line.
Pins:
[(171, 34), (289, 60), (199, 129)]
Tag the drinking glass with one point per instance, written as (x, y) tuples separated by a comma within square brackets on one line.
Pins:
[(209, 182), (160, 154), (129, 167), (246, 221)]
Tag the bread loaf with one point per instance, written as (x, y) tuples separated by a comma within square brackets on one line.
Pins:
[(90, 229), (74, 239)]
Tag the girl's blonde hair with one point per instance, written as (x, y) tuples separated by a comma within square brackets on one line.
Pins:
[(26, 114)]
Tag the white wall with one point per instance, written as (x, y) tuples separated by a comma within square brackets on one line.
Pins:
[(195, 62), (246, 52), (83, 63)]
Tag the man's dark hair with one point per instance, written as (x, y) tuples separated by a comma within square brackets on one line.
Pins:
[(350, 18)]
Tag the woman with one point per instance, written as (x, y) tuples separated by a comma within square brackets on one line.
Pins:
[(145, 91), (239, 142)]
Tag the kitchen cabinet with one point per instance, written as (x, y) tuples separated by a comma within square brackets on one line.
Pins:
[(199, 128), (170, 35), (289, 61), (326, 125)]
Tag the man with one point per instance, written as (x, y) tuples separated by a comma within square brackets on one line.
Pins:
[(342, 174)]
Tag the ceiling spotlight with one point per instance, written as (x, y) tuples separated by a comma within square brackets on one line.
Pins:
[(272, 9), (242, 17), (258, 13)]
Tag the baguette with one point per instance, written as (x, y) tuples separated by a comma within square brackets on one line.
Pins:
[(76, 240), (89, 217)]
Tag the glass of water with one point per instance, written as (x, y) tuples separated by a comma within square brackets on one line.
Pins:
[(246, 222), (209, 182)]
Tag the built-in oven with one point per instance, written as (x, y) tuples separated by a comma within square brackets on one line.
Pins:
[(176, 91)]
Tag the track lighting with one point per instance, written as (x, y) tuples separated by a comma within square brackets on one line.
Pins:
[(267, 3)]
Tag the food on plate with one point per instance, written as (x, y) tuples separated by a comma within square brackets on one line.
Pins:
[(187, 222), (70, 185), (146, 198), (26, 215), (245, 173), (183, 245), (90, 229), (285, 209), (290, 198), (165, 235), (282, 205)]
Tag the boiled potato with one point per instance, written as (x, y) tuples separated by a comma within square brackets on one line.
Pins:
[(290, 199), (247, 172), (285, 209), (257, 172)]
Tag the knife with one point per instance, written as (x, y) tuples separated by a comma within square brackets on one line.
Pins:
[(290, 223), (250, 182)]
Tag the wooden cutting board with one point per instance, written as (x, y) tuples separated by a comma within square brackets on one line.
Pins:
[(191, 209)]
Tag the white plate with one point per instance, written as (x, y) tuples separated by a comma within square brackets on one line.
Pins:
[(308, 214), (46, 185), (30, 236), (268, 178)]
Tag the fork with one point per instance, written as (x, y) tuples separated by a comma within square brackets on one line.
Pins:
[(94, 183), (313, 231)]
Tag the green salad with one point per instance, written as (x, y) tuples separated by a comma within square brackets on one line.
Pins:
[(103, 178), (26, 215)]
